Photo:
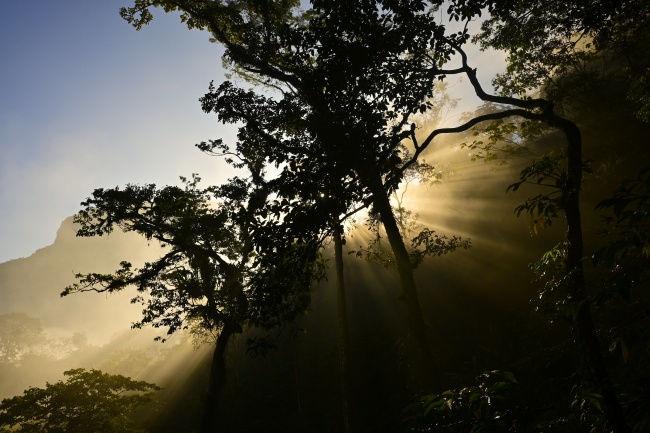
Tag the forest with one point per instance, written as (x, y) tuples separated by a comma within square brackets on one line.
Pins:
[(375, 265)]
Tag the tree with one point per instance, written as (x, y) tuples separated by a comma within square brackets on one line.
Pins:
[(623, 271), (20, 335), (537, 56), (627, 229), (423, 241), (227, 263), (559, 45), (87, 401), (349, 77), (343, 333)]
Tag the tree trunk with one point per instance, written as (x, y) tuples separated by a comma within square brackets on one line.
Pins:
[(417, 327), (217, 379), (587, 334), (344, 346)]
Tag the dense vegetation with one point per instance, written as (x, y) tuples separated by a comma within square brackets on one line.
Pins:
[(331, 105)]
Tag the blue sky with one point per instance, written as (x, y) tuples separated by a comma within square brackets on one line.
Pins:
[(88, 102)]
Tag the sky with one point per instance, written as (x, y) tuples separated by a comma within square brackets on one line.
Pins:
[(87, 102)]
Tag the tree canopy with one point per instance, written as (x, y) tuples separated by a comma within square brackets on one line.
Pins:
[(87, 401), (221, 256), (350, 77), (227, 262), (20, 334)]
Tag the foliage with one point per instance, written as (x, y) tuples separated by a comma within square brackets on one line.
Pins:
[(545, 39), (502, 140), (423, 241), (350, 77), (474, 409), (619, 267), (20, 335), (87, 401), (221, 259), (639, 94), (554, 298), (621, 282), (546, 42), (630, 205), (627, 231), (549, 171)]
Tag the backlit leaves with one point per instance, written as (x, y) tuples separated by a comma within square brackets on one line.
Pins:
[(473, 409), (87, 401)]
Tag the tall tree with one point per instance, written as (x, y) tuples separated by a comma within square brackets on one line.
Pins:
[(343, 333), (349, 76), (559, 45), (568, 183), (226, 263), (546, 41)]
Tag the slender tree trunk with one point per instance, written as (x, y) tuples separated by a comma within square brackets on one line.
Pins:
[(584, 321), (344, 346), (587, 335), (409, 296), (209, 421)]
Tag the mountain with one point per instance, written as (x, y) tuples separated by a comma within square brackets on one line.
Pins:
[(33, 284)]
